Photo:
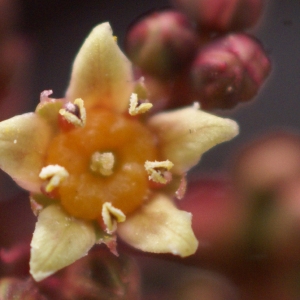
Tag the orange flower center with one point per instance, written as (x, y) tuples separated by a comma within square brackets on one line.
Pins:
[(87, 188)]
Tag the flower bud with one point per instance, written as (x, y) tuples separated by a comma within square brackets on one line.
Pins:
[(229, 70), (162, 43), (222, 15)]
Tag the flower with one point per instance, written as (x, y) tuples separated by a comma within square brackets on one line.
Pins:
[(94, 170), (162, 44)]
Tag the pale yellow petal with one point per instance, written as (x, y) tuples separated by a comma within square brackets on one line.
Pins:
[(58, 241), (159, 227), (101, 74), (187, 133), (23, 143)]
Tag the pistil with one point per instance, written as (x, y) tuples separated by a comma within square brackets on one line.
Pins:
[(102, 163), (105, 161)]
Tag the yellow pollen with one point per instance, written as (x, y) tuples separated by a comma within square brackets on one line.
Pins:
[(102, 163), (158, 171), (74, 113), (111, 216), (136, 108), (56, 174)]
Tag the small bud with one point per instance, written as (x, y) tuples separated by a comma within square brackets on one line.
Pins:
[(229, 70), (162, 43), (222, 15)]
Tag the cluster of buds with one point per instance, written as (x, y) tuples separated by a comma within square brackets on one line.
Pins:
[(196, 53)]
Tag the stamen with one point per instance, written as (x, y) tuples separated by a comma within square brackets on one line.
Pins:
[(56, 174), (158, 171), (111, 216), (45, 96), (182, 188), (74, 113), (136, 108), (102, 163)]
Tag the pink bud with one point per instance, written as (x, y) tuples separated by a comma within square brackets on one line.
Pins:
[(222, 15), (162, 43), (229, 70)]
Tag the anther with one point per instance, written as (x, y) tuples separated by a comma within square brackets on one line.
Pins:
[(74, 113), (111, 216), (158, 171), (136, 107), (56, 174)]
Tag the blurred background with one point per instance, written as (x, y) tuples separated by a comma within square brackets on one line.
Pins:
[(50, 34)]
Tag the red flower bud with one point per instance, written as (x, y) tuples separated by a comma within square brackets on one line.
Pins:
[(162, 43), (229, 70), (222, 15)]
